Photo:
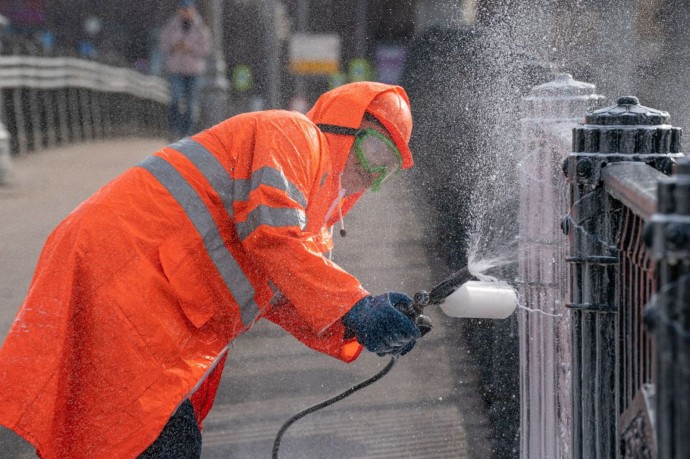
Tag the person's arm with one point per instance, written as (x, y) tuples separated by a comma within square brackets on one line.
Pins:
[(332, 341), (286, 170), (321, 299)]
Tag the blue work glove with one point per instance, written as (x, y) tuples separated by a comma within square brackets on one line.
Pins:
[(380, 327)]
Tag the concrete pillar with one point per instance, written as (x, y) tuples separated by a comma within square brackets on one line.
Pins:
[(551, 111)]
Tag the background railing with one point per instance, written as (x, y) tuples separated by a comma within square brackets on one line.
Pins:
[(49, 101), (633, 185)]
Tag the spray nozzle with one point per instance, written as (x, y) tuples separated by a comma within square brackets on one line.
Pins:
[(421, 298)]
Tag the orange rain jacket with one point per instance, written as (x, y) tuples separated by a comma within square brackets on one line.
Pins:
[(139, 291)]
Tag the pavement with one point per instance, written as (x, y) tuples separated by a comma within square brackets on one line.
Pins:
[(428, 406)]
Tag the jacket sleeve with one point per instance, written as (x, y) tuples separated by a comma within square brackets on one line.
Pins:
[(331, 342), (287, 163)]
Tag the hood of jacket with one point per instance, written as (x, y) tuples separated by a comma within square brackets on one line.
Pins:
[(345, 106)]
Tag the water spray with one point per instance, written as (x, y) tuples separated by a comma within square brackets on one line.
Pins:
[(462, 294)]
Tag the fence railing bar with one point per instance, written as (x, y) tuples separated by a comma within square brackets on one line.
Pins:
[(633, 184)]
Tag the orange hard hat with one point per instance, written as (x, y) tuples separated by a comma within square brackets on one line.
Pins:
[(392, 110)]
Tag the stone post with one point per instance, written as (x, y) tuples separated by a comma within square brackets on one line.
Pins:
[(551, 111)]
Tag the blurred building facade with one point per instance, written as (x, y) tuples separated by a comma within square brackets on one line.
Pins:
[(593, 39)]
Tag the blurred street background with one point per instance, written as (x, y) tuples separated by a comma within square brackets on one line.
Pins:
[(465, 64)]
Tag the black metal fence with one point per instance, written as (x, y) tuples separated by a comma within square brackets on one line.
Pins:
[(669, 316), (619, 157)]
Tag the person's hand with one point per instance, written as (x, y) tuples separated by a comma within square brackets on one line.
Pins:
[(380, 327)]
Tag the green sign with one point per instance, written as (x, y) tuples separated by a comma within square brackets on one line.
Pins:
[(242, 78), (359, 70)]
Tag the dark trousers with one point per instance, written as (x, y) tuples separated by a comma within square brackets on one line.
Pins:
[(184, 106), (180, 438)]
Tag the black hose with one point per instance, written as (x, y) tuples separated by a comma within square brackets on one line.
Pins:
[(330, 401)]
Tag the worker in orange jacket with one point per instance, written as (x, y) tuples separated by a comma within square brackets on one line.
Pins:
[(139, 291)]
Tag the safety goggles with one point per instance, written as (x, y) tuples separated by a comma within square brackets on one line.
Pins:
[(377, 155)]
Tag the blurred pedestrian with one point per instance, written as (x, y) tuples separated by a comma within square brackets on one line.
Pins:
[(185, 45), (119, 346)]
